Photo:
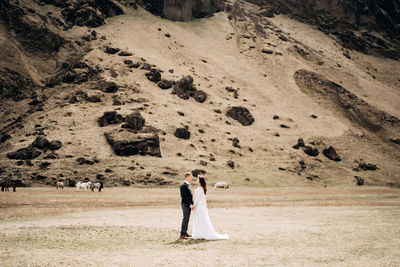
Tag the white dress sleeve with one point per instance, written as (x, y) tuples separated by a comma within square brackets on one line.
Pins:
[(197, 196)]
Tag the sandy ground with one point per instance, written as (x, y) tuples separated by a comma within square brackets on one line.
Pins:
[(278, 226)]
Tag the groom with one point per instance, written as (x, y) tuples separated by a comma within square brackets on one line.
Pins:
[(186, 203)]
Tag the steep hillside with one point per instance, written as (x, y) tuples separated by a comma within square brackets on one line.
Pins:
[(257, 85)]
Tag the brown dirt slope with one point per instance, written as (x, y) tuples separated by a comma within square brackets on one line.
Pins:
[(229, 95)]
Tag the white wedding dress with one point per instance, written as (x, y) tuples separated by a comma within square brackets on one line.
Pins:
[(202, 226)]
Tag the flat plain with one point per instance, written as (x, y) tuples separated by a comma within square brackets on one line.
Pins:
[(334, 226)]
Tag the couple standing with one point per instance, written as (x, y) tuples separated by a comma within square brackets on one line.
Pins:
[(202, 226)]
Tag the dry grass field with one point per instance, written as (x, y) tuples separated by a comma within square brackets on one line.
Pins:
[(139, 227)]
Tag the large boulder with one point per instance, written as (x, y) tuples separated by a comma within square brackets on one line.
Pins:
[(331, 153), (110, 117), (200, 96), (165, 84), (198, 172), (107, 87), (311, 151), (126, 143), (29, 152), (135, 120), (241, 114), (154, 75), (55, 145), (90, 13), (184, 87), (300, 143), (182, 133), (40, 142)]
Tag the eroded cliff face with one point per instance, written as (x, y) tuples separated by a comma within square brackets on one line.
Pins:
[(183, 10), (368, 26), (180, 10)]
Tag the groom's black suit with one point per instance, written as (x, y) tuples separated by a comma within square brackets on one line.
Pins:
[(187, 200)]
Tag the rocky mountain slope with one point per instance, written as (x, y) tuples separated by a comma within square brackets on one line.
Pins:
[(107, 91)]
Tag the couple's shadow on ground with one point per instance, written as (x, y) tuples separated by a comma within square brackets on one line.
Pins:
[(189, 241)]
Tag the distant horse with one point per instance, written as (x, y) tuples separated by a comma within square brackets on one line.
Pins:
[(81, 185), (98, 185), (221, 185), (6, 185), (60, 185)]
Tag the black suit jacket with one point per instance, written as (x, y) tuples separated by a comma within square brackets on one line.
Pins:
[(186, 195)]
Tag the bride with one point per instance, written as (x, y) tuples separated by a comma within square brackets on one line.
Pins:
[(202, 226)]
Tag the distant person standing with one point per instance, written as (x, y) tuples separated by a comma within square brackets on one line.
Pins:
[(186, 203)]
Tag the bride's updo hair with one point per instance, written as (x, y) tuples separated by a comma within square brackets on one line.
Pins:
[(203, 183)]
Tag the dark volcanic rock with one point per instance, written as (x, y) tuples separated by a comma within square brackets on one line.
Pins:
[(126, 143), (182, 133), (267, 51), (124, 54), (330, 153), (241, 114), (25, 153), (367, 166), (110, 117), (396, 141), (107, 87), (154, 75), (135, 120), (311, 151), (231, 164), (111, 50), (40, 142), (4, 138), (94, 99), (300, 143), (90, 13), (82, 161), (359, 180), (55, 145), (165, 84), (200, 96), (198, 172), (184, 87), (235, 142)]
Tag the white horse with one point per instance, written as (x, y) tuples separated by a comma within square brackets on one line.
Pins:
[(81, 185), (221, 185)]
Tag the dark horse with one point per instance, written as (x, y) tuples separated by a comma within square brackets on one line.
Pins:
[(6, 185), (98, 185)]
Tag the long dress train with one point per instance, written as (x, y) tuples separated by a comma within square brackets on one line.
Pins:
[(202, 226)]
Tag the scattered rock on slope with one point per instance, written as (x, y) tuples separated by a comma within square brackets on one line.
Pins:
[(110, 117), (311, 151), (182, 133), (107, 87), (241, 114), (184, 87), (154, 75), (135, 121), (25, 153), (331, 153), (126, 143)]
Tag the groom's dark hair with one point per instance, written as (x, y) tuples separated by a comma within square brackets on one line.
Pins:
[(187, 174)]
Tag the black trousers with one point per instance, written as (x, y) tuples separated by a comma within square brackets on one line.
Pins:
[(185, 221)]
